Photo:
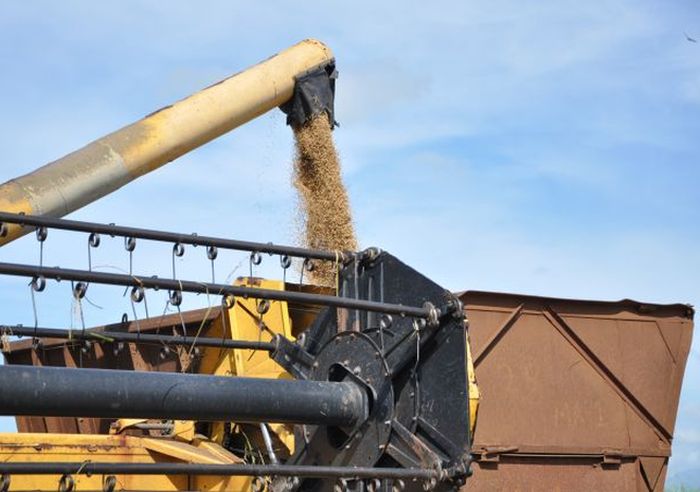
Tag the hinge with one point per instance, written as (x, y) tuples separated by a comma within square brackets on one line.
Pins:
[(612, 458), (493, 454)]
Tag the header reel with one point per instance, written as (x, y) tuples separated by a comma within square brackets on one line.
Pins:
[(379, 398)]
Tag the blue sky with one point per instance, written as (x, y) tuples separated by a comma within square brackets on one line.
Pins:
[(547, 149)]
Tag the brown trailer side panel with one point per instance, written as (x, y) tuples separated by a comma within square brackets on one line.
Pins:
[(575, 395)]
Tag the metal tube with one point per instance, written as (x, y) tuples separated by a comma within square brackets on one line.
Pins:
[(169, 237), (112, 161), (63, 392), (268, 443), (119, 336), (217, 289), (91, 467)]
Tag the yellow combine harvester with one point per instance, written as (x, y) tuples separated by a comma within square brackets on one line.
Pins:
[(287, 386), (331, 398)]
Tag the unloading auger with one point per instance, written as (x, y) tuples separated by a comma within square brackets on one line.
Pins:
[(300, 80)]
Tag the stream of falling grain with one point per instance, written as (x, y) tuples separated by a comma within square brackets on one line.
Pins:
[(324, 215)]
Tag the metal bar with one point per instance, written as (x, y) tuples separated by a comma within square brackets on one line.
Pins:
[(571, 450), (87, 467), (118, 336), (63, 392), (268, 443), (216, 289), (169, 237), (514, 315)]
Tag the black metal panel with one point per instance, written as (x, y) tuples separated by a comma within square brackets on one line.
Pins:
[(424, 371), (429, 362), (314, 93)]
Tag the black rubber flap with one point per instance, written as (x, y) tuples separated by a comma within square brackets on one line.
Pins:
[(314, 93)]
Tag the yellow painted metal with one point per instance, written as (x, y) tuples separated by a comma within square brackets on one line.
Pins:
[(116, 448), (244, 321), (247, 323), (110, 162), (474, 394), (183, 430)]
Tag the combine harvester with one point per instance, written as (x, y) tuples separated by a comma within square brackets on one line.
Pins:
[(288, 386)]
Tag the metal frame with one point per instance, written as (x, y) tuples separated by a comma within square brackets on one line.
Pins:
[(172, 237), (427, 312), (117, 336)]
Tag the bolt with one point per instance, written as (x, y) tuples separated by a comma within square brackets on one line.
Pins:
[(373, 485), (356, 370)]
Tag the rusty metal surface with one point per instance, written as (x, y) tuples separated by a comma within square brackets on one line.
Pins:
[(576, 395)]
